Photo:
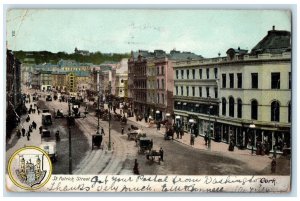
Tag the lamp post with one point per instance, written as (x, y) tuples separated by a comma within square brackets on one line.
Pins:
[(252, 125), (70, 141), (109, 103)]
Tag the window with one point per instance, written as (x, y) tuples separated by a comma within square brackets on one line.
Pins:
[(207, 73), (193, 91), (231, 107), (200, 73), (239, 108), (188, 74), (290, 80), (163, 98), (157, 84), (224, 80), (216, 92), (193, 72), (207, 91), (239, 80), (275, 80), (182, 74), (216, 73), (254, 107), (162, 83), (254, 79), (223, 106), (231, 80), (157, 70), (176, 90), (176, 74), (162, 70), (182, 90), (200, 91), (289, 113), (275, 111), (187, 91)]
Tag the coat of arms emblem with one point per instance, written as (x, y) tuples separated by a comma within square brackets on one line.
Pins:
[(30, 170)]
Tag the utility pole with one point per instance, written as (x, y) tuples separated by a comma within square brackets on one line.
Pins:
[(70, 141), (109, 105)]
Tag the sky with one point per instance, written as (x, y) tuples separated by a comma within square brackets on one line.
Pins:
[(204, 32)]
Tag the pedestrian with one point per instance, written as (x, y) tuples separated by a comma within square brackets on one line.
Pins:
[(33, 125), (102, 131), (192, 141), (23, 131), (41, 129), (206, 139), (38, 112), (181, 133), (136, 168), (161, 153), (122, 130), (28, 135), (158, 125), (273, 165)]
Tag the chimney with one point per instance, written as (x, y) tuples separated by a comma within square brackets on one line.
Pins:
[(273, 28)]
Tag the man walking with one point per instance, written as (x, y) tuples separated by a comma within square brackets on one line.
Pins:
[(161, 153)]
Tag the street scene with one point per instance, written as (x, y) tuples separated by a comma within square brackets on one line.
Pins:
[(156, 111)]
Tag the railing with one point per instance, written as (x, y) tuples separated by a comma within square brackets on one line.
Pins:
[(285, 55)]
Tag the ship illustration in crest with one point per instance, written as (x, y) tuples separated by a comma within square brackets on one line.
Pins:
[(30, 170)]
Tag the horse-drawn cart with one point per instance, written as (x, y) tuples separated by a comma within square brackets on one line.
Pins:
[(153, 154), (96, 141), (145, 144)]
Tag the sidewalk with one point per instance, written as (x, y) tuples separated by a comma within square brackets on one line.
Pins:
[(35, 138)]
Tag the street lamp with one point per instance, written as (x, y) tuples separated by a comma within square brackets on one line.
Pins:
[(70, 141), (252, 125)]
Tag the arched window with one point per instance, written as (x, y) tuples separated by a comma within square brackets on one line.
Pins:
[(231, 107), (223, 106), (254, 107), (275, 111), (239, 108), (289, 113)]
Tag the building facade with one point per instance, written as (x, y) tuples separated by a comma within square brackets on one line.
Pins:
[(14, 101), (243, 97)]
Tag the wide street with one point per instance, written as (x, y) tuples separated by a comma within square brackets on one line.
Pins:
[(179, 157)]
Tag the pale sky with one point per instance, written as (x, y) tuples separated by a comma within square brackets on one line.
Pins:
[(204, 32)]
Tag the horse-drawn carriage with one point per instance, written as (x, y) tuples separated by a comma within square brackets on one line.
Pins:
[(96, 141), (154, 154), (145, 144)]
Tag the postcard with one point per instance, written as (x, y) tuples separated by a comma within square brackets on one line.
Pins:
[(143, 100)]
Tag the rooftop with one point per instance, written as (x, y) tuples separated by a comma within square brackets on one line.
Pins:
[(275, 42)]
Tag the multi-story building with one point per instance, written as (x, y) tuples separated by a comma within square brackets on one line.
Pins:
[(59, 80), (137, 79), (244, 97), (13, 91), (255, 93), (151, 81), (121, 90), (196, 93)]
